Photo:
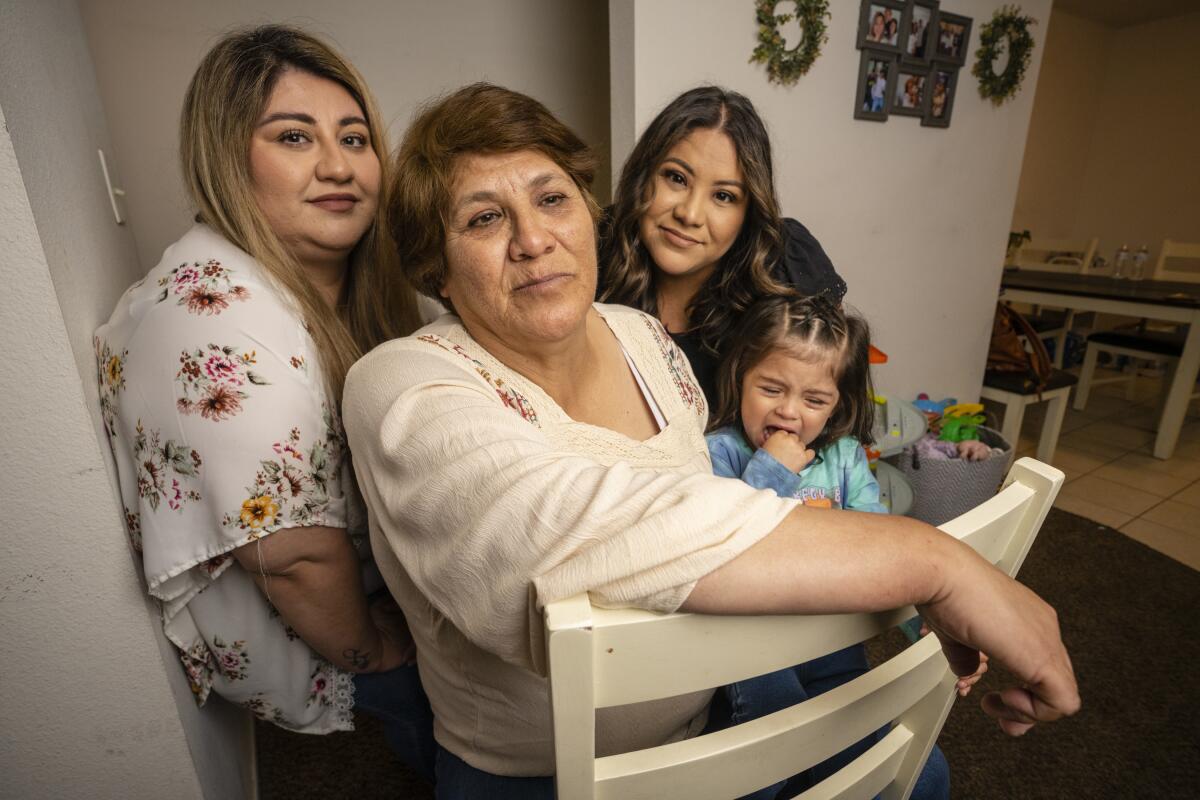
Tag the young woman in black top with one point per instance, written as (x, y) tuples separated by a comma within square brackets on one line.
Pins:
[(695, 236)]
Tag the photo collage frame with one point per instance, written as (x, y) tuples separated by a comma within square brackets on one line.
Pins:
[(912, 51)]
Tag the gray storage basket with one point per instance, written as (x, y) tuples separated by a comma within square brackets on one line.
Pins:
[(944, 489)]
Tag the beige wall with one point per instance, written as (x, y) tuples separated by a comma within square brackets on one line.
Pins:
[(1066, 110), (146, 50), (1112, 146), (94, 703), (914, 218)]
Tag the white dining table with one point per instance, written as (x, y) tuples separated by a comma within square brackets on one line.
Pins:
[(1161, 300)]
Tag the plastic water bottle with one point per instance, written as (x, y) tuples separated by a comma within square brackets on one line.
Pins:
[(1121, 262), (1139, 263)]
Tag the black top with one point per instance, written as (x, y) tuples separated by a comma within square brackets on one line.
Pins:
[(704, 363)]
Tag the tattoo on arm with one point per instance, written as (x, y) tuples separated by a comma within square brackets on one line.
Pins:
[(359, 659)]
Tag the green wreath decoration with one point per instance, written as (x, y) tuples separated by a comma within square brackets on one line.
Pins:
[(1007, 24), (783, 65)]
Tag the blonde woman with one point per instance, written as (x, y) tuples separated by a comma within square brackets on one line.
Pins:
[(220, 375)]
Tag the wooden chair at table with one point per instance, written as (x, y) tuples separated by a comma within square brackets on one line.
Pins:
[(1164, 346), (1178, 262), (602, 657), (1066, 256), (1010, 390)]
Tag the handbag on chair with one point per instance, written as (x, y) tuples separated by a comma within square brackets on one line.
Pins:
[(1008, 354)]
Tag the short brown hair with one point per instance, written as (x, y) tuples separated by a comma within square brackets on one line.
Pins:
[(814, 328), (480, 118)]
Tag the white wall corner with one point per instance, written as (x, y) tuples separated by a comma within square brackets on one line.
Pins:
[(91, 713), (101, 708)]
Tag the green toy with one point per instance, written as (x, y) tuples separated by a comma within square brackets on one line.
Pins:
[(961, 428)]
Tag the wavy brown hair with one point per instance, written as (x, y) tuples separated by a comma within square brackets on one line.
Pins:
[(480, 118), (223, 104), (744, 272), (813, 329)]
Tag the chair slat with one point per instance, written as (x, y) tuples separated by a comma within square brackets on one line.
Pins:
[(925, 720), (869, 773), (1045, 481), (746, 757), (574, 717), (988, 527), (665, 655)]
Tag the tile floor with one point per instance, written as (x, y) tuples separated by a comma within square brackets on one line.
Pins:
[(1112, 478)]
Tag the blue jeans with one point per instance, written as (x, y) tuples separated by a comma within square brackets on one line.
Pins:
[(458, 780), (757, 697), (398, 700)]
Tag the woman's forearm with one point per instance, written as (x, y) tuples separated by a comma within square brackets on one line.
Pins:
[(817, 561), (311, 576)]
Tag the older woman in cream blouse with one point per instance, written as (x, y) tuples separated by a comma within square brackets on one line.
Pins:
[(534, 444)]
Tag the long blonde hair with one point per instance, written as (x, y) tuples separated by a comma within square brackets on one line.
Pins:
[(224, 101)]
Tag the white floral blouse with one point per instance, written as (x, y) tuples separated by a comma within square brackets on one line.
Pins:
[(220, 424)]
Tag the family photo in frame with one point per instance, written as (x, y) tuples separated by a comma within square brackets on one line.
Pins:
[(908, 97), (911, 54), (918, 24), (874, 74), (953, 33), (879, 27), (941, 98)]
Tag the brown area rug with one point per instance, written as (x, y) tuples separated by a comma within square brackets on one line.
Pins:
[(1130, 616)]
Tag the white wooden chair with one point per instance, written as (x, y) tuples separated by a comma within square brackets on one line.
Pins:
[(600, 658), (1164, 346), (1178, 261), (1007, 388), (1068, 256)]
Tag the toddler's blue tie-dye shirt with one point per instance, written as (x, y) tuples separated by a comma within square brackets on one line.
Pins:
[(839, 477)]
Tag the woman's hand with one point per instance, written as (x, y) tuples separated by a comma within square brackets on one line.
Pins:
[(984, 609), (393, 629)]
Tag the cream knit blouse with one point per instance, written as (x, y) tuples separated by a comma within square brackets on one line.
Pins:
[(487, 501)]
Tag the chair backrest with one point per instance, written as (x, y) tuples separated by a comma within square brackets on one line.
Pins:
[(1057, 255), (1178, 261), (603, 657)]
